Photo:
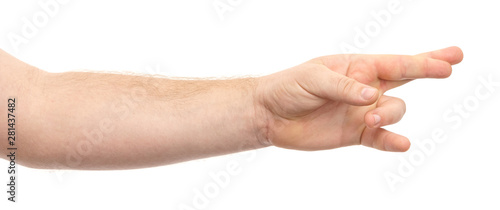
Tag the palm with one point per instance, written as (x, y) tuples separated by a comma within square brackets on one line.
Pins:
[(303, 120)]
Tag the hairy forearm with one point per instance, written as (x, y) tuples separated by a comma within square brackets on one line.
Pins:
[(89, 120)]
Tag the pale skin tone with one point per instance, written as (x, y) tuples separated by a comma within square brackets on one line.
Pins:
[(84, 120)]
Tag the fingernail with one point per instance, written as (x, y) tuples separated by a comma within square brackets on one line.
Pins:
[(368, 93), (376, 119)]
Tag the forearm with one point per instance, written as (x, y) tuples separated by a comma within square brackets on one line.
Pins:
[(109, 121)]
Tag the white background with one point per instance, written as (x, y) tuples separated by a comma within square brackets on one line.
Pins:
[(189, 38)]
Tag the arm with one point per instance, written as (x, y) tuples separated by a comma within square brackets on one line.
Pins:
[(109, 121)]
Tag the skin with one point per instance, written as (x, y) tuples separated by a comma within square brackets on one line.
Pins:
[(84, 120), (318, 105)]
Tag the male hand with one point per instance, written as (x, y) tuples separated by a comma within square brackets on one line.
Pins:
[(338, 100)]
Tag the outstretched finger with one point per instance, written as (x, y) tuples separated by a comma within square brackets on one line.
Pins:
[(403, 67), (452, 55), (443, 57), (394, 70)]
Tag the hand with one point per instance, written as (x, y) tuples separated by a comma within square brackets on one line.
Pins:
[(335, 101)]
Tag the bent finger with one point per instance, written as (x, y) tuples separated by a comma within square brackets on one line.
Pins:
[(327, 84), (389, 110), (384, 140)]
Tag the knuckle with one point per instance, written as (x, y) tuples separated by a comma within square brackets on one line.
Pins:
[(425, 67), (345, 85), (403, 65)]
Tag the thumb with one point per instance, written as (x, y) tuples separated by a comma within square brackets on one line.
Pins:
[(331, 85)]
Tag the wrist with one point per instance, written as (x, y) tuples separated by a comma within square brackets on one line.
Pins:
[(261, 114)]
